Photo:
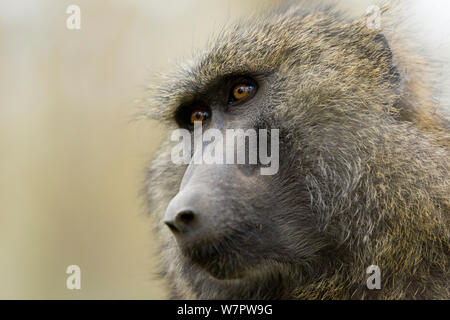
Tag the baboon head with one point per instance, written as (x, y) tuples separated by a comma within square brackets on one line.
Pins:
[(331, 90)]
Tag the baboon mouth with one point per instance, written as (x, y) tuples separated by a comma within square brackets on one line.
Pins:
[(220, 264)]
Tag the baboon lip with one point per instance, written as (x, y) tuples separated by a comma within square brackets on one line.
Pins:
[(223, 265)]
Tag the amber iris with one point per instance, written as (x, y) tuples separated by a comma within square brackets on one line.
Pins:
[(198, 115), (241, 91)]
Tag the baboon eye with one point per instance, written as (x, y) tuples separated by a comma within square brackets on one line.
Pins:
[(186, 115), (198, 115), (241, 92)]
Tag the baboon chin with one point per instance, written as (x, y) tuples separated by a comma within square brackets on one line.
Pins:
[(344, 116), (219, 265), (243, 254)]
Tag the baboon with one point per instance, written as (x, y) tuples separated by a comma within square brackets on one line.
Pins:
[(363, 174)]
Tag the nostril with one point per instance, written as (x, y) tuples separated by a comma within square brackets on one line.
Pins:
[(171, 226), (185, 217), (182, 222)]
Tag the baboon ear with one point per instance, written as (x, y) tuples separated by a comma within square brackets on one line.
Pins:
[(374, 45), (384, 58), (378, 43)]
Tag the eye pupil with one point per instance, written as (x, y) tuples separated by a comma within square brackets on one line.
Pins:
[(241, 91), (198, 115)]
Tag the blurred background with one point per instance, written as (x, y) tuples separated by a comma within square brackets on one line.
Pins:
[(71, 158)]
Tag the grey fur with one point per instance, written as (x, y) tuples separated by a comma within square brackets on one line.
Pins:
[(364, 166)]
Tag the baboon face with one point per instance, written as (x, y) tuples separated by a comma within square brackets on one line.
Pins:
[(233, 221), (359, 180), (230, 218)]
